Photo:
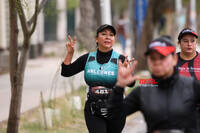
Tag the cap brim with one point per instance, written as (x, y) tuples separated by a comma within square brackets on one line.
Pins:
[(165, 51), (107, 27), (195, 34)]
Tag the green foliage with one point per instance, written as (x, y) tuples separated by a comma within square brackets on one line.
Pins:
[(33, 127), (119, 5), (198, 6), (72, 4), (50, 8), (2, 130), (186, 2)]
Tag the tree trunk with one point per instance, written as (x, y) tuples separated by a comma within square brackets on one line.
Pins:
[(198, 21), (13, 120), (97, 12), (86, 33), (16, 96), (13, 43), (147, 35), (134, 28), (14, 114), (17, 66), (154, 12), (188, 15)]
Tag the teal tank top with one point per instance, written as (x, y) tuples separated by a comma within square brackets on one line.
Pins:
[(96, 74)]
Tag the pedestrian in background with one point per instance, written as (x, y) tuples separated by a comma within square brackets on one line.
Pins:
[(100, 73), (122, 32), (168, 105), (188, 58)]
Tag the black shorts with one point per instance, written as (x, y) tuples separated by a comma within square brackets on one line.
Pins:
[(98, 124)]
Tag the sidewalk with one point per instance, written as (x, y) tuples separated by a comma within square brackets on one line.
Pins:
[(135, 124), (41, 74)]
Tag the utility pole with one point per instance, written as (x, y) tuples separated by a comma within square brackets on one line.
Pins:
[(105, 12), (61, 20)]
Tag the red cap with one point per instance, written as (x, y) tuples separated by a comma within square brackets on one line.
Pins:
[(187, 31), (162, 45)]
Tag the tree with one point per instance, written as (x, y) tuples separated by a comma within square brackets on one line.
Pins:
[(18, 61), (86, 32), (155, 11), (119, 6), (90, 11), (97, 12)]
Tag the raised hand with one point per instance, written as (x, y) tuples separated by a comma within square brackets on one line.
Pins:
[(70, 44), (125, 71), (70, 49)]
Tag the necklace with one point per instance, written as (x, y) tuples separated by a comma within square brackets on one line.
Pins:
[(103, 66)]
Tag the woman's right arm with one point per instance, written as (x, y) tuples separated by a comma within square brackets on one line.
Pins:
[(68, 68), (70, 49), (75, 67)]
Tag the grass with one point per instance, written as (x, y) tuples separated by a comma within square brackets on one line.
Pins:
[(70, 121), (2, 130)]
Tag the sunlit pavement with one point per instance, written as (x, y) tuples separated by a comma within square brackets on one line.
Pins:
[(135, 124), (41, 75)]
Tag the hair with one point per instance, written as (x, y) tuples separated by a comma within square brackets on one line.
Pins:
[(167, 39)]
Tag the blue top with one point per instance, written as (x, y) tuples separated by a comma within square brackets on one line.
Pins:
[(97, 74)]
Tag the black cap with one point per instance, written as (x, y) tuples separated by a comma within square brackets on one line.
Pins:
[(106, 26), (162, 45), (187, 31)]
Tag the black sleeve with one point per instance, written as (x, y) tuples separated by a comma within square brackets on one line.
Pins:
[(197, 91), (122, 58), (74, 68), (119, 107)]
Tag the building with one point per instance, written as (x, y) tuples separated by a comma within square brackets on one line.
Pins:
[(41, 31), (4, 24)]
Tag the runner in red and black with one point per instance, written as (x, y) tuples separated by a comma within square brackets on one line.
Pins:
[(188, 58)]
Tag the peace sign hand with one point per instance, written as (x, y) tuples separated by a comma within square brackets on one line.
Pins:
[(70, 44)]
